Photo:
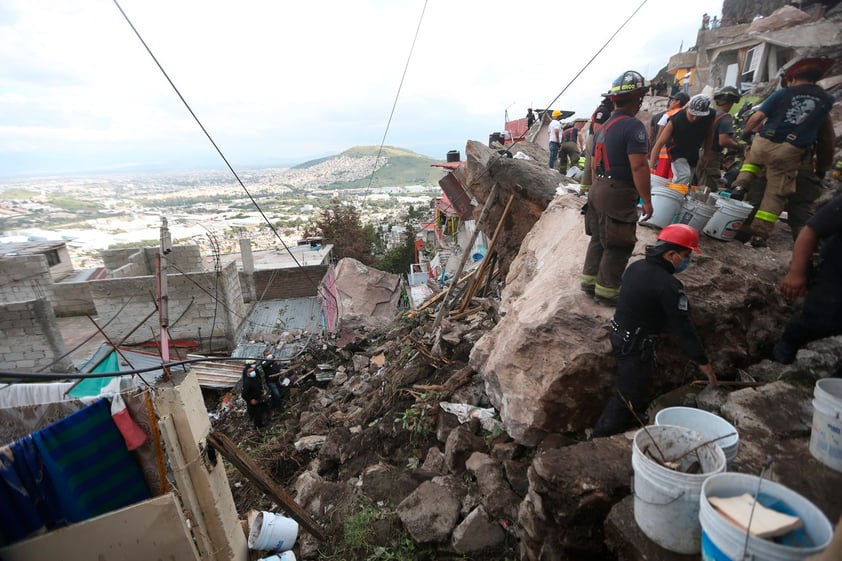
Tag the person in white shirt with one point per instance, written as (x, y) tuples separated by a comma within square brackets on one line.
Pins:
[(554, 131)]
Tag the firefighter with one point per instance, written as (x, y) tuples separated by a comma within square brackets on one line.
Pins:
[(621, 177), (651, 299), (795, 116)]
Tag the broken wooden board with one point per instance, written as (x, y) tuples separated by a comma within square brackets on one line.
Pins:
[(765, 522)]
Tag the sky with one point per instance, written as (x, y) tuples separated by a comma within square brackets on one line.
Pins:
[(279, 82)]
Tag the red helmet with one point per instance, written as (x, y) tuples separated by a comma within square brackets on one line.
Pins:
[(681, 234), (812, 68)]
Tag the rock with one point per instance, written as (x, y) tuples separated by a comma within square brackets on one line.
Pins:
[(533, 187), (819, 359), (429, 513), (547, 365), (778, 409), (627, 542), (508, 450), (571, 491), (487, 471), (310, 443), (461, 443), (517, 476), (313, 422), (477, 533), (366, 291), (458, 487), (445, 423), (382, 483), (434, 462), (322, 500), (330, 454), (360, 362)]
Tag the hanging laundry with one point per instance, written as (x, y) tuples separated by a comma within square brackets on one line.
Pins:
[(70, 471), (133, 435)]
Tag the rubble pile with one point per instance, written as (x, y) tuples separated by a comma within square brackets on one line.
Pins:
[(401, 445)]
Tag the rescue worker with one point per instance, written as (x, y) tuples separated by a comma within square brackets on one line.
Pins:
[(686, 132), (723, 135), (675, 104), (821, 314), (795, 116), (601, 114), (621, 177), (651, 300), (554, 132), (270, 368), (252, 393), (570, 148)]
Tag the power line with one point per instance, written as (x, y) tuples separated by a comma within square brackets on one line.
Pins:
[(216, 147), (395, 102)]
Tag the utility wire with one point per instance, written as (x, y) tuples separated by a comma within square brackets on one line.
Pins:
[(395, 103), (218, 150)]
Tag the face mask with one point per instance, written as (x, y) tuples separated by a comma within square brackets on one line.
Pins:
[(252, 374), (685, 262), (269, 357)]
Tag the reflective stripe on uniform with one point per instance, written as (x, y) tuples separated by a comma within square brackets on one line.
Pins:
[(605, 292), (587, 280), (751, 168), (766, 216)]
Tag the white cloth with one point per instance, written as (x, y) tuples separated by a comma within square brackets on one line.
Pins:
[(554, 131)]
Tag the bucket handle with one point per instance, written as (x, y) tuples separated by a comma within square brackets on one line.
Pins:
[(662, 489)]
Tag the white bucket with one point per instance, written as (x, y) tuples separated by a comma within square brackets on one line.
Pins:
[(666, 502), (665, 205), (695, 213), (711, 426), (727, 219), (723, 541), (285, 556), (826, 433), (272, 532)]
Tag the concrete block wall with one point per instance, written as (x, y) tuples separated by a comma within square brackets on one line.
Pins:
[(203, 306), (29, 338), (25, 277), (300, 282), (136, 267), (73, 299), (113, 259), (186, 258)]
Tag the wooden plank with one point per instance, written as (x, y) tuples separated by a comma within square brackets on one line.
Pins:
[(264, 482)]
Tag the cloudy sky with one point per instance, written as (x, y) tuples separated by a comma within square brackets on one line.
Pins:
[(277, 82)]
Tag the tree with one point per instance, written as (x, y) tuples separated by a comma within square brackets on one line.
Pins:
[(341, 226)]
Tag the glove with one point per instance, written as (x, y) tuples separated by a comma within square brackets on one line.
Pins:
[(738, 193)]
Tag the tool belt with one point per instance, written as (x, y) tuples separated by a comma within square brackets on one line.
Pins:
[(635, 341)]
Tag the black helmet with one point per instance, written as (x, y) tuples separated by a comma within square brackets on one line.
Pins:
[(681, 97), (728, 94), (627, 83)]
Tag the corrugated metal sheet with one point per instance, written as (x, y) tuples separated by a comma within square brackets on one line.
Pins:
[(271, 320), (216, 375)]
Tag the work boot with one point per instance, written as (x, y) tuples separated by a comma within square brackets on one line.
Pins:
[(606, 301)]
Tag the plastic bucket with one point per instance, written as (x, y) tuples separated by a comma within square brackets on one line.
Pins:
[(285, 556), (665, 205), (826, 433), (666, 502), (272, 532), (711, 426), (695, 213), (723, 541), (679, 188), (727, 219)]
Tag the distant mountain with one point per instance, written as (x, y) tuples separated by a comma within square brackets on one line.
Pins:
[(353, 168)]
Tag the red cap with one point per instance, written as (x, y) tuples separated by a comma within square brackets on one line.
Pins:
[(681, 234), (817, 66)]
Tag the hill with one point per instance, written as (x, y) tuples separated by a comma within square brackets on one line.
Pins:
[(394, 167)]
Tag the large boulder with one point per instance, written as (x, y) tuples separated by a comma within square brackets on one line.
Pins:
[(547, 364)]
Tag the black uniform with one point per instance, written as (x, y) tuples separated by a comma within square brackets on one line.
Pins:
[(253, 390), (651, 299), (821, 315)]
